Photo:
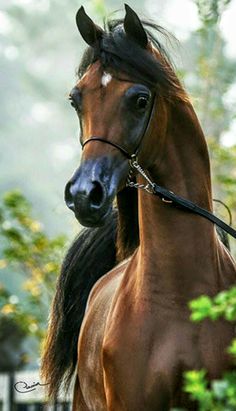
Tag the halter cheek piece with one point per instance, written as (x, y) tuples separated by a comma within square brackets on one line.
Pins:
[(166, 196)]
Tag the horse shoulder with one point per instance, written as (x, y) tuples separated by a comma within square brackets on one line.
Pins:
[(107, 283)]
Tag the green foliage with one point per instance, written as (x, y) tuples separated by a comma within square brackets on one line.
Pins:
[(220, 395), (11, 308), (222, 305), (27, 250)]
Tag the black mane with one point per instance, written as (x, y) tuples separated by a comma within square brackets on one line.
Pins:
[(123, 56), (92, 254)]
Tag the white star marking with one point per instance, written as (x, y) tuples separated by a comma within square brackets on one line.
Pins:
[(106, 78)]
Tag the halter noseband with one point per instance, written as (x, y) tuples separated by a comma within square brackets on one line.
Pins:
[(123, 150)]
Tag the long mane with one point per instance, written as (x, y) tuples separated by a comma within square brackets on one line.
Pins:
[(92, 254)]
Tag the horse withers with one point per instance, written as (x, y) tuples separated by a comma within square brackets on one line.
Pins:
[(135, 339)]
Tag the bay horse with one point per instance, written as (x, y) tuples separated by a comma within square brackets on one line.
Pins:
[(133, 341)]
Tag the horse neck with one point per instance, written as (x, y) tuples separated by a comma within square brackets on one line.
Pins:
[(127, 228), (179, 246)]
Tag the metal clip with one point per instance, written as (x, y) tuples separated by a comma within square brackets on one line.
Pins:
[(135, 165), (133, 158), (166, 201)]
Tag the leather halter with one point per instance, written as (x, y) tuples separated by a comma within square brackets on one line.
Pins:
[(166, 196), (123, 150)]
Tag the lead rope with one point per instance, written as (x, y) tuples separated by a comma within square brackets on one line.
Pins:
[(171, 198)]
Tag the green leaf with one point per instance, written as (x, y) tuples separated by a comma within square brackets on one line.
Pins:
[(200, 307)]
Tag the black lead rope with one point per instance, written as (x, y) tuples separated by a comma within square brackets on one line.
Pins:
[(172, 199), (188, 205)]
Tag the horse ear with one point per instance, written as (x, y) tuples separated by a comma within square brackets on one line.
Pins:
[(87, 28), (134, 28)]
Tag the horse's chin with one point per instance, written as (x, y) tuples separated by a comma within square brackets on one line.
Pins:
[(94, 219)]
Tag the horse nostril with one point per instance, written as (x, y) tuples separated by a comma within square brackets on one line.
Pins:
[(69, 197), (96, 195), (91, 194)]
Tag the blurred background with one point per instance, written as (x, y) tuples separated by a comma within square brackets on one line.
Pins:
[(40, 49)]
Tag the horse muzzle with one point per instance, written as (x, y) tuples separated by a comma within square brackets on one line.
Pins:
[(91, 191)]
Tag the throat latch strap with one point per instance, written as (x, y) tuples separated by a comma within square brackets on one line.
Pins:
[(170, 198)]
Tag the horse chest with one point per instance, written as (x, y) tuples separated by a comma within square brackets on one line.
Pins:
[(140, 364), (144, 360)]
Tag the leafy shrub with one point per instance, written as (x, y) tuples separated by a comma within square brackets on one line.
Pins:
[(220, 395), (28, 253)]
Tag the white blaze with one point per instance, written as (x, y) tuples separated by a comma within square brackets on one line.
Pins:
[(106, 78)]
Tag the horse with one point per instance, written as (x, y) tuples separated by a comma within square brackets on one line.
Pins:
[(120, 319)]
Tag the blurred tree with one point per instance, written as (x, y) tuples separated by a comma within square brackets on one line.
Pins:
[(210, 77), (218, 74), (211, 73), (39, 150), (40, 50), (27, 251), (12, 353), (224, 176)]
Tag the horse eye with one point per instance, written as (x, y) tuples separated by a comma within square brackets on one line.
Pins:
[(72, 103), (142, 102), (75, 99)]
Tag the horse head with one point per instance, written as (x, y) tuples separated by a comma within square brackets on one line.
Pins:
[(114, 98)]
